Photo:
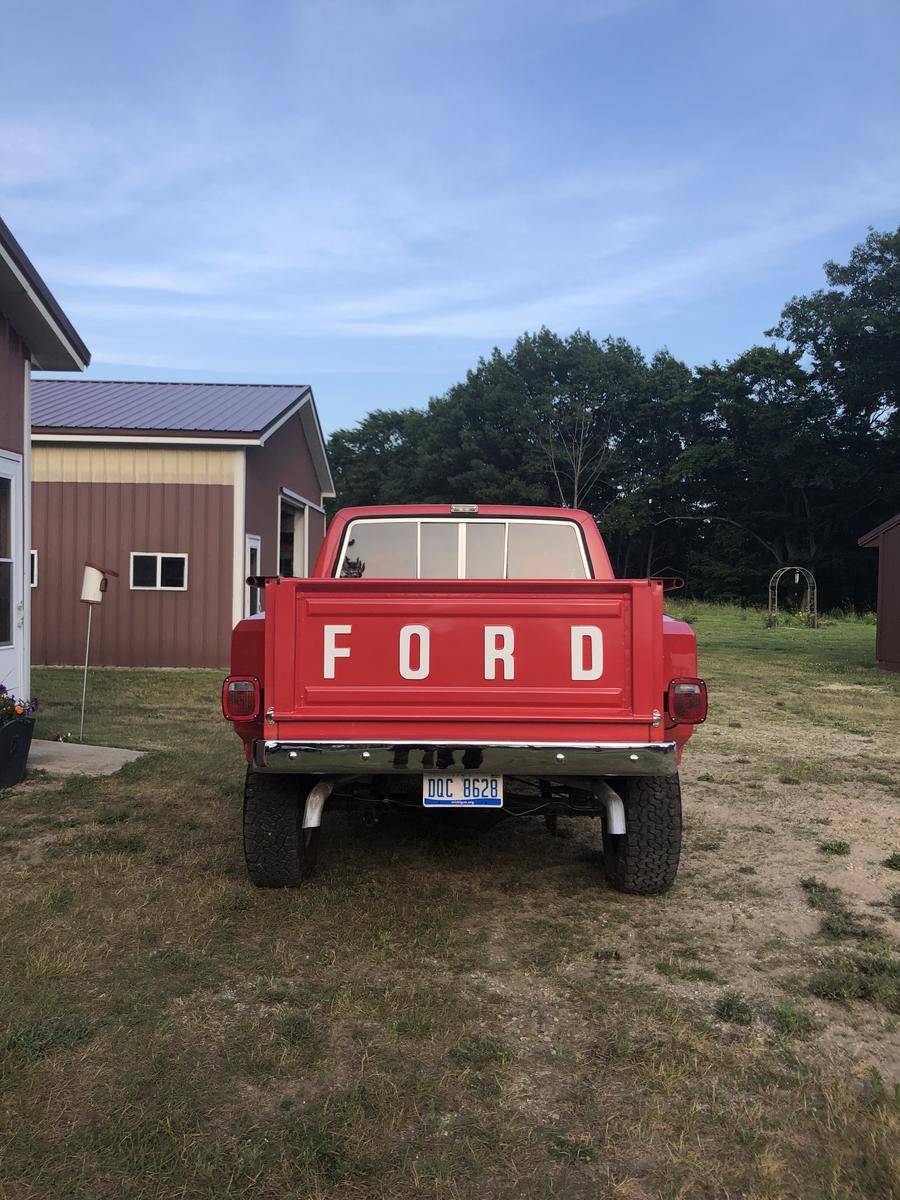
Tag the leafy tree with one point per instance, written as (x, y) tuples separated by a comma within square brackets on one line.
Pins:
[(851, 331), (479, 440), (784, 455), (579, 393), (658, 423), (757, 465), (849, 334), (376, 462)]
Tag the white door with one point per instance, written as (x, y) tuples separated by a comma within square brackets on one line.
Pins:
[(12, 576), (253, 597)]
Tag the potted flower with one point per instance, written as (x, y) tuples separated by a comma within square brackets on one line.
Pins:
[(16, 729)]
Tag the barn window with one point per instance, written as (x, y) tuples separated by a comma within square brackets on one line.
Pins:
[(152, 572)]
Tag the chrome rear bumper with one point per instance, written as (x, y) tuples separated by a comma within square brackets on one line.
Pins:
[(513, 758)]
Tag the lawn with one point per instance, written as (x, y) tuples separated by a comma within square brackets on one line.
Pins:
[(431, 1017)]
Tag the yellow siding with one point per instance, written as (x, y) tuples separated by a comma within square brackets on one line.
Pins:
[(110, 464)]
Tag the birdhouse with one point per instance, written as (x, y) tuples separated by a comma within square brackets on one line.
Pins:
[(95, 583)]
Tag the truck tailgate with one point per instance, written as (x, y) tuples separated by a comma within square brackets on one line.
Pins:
[(572, 660)]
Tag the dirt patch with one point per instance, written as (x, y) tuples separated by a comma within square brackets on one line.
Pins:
[(863, 688)]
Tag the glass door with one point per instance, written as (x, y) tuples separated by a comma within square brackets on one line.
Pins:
[(12, 605)]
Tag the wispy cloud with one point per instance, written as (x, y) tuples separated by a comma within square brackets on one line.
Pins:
[(292, 272), (35, 153), (392, 185)]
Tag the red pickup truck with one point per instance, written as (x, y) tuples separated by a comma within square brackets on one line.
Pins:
[(467, 657)]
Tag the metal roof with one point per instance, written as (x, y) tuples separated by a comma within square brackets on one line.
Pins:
[(222, 408), (870, 538), (31, 309)]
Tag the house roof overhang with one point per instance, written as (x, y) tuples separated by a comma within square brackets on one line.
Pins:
[(33, 312), (315, 439), (871, 538)]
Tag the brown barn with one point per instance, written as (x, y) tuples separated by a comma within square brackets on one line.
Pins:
[(184, 489), (885, 539), (34, 332)]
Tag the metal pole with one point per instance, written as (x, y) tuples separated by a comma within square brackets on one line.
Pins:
[(87, 654)]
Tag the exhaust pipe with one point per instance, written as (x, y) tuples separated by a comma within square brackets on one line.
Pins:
[(615, 809), (315, 802)]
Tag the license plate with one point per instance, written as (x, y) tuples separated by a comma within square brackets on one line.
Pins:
[(441, 789)]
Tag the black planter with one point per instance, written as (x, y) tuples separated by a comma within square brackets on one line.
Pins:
[(15, 742)]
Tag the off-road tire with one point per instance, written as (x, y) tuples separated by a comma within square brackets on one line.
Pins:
[(644, 859), (277, 850)]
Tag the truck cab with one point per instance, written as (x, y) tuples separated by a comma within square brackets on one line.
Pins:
[(465, 657)]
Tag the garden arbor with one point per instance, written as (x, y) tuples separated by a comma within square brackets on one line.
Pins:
[(809, 609)]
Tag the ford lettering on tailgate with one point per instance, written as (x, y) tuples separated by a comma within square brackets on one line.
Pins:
[(436, 650), (414, 651)]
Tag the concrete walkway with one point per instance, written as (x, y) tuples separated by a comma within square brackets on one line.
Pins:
[(72, 758)]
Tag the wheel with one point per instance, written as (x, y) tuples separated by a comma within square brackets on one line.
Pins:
[(277, 849), (644, 859)]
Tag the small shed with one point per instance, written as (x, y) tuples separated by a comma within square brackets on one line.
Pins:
[(886, 539), (184, 489)]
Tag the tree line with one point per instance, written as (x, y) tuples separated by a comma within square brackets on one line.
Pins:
[(721, 473)]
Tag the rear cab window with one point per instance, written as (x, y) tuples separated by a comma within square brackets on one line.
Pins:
[(437, 548)]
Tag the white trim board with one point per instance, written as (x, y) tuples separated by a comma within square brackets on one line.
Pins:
[(136, 439), (315, 439), (239, 519), (285, 416), (298, 499), (251, 541), (26, 536), (36, 301)]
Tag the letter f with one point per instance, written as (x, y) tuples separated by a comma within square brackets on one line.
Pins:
[(333, 652)]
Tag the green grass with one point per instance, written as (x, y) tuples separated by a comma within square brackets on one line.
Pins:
[(881, 1094), (870, 977), (37, 1039), (733, 1008), (834, 846), (608, 954), (839, 920), (676, 967), (108, 815), (429, 1017), (109, 843), (791, 1021)]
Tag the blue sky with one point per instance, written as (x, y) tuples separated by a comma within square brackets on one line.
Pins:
[(367, 195)]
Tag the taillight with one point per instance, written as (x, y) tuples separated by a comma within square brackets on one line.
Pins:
[(240, 697), (686, 701)]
